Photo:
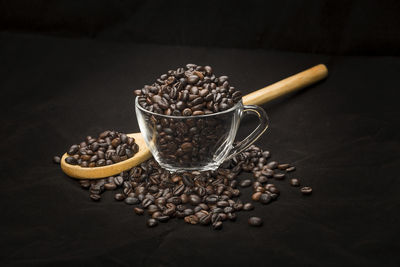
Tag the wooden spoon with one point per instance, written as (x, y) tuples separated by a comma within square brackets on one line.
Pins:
[(258, 97)]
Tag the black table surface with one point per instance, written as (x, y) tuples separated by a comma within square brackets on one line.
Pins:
[(342, 134)]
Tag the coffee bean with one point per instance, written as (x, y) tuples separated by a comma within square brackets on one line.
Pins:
[(119, 196), (256, 196), (152, 222), (73, 149), (245, 183), (95, 197), (131, 200), (138, 211), (279, 176), (188, 212), (217, 225), (283, 166), (56, 159), (265, 198), (110, 186), (194, 200), (267, 172), (222, 204), (272, 165), (294, 182), (255, 221), (306, 190), (71, 160), (191, 219), (248, 206), (290, 169)]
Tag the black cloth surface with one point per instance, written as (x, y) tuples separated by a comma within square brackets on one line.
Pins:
[(342, 134), (355, 27)]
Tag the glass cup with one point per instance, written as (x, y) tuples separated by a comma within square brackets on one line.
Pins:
[(187, 143)]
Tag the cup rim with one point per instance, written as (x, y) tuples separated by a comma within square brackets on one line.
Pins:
[(238, 104)]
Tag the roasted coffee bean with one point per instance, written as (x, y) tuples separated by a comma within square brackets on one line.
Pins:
[(71, 160), (245, 183), (222, 203), (273, 190), (178, 190), (95, 197), (152, 208), (272, 165), (248, 206), (138, 211), (279, 176), (290, 169), (118, 180), (228, 209), (194, 200), (131, 200), (152, 222), (73, 149), (205, 220), (266, 154), (262, 179), (255, 221), (294, 182), (283, 166), (267, 172), (306, 190), (256, 196), (188, 212), (110, 186), (56, 159), (191, 219), (119, 196), (217, 225), (265, 198)]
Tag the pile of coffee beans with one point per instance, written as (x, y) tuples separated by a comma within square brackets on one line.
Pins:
[(204, 198), (190, 91), (109, 148)]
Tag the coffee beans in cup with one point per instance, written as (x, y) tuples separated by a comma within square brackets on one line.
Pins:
[(189, 91)]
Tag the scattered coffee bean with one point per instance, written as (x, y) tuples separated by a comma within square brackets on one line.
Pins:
[(279, 176), (191, 219), (152, 222), (255, 221), (138, 211), (290, 169), (265, 198), (294, 182), (283, 166), (256, 196), (56, 159), (217, 225), (248, 206), (131, 200), (95, 197), (306, 190)]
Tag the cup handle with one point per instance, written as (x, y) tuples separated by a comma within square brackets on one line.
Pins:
[(251, 138)]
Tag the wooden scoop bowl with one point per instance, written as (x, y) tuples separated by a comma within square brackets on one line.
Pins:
[(259, 97)]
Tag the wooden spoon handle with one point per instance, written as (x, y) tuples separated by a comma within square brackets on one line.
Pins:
[(290, 84)]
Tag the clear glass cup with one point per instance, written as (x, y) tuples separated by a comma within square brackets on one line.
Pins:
[(184, 143)]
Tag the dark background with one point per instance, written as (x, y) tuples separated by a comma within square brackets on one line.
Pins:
[(68, 69)]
